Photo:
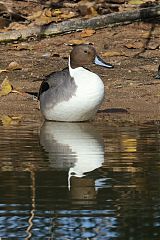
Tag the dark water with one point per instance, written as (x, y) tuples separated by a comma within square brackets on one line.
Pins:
[(80, 181)]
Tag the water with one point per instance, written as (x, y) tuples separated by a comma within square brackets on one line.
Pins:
[(80, 181)]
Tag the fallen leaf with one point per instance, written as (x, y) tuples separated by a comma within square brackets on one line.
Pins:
[(134, 45), (14, 66), (87, 32), (76, 42), (44, 20), (136, 2), (49, 15), (16, 26), (8, 121), (5, 87), (35, 15), (41, 17)]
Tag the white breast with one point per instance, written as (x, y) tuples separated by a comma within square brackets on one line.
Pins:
[(86, 101)]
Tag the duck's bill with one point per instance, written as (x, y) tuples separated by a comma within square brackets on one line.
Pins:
[(100, 62)]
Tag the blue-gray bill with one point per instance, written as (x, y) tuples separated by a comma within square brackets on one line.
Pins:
[(101, 62)]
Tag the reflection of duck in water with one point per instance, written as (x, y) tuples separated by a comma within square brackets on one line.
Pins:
[(76, 147)]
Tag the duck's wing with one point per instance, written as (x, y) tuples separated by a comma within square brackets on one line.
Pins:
[(53, 80), (57, 86)]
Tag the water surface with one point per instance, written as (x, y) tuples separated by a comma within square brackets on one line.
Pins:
[(80, 181)]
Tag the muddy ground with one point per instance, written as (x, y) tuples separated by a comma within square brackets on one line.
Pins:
[(132, 92)]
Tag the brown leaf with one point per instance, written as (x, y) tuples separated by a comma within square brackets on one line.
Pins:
[(16, 26), (44, 20), (42, 17), (14, 66), (49, 15), (134, 45), (35, 15), (135, 2), (87, 32), (76, 42), (5, 87)]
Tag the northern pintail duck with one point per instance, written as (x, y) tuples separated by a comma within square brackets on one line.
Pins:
[(75, 93)]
